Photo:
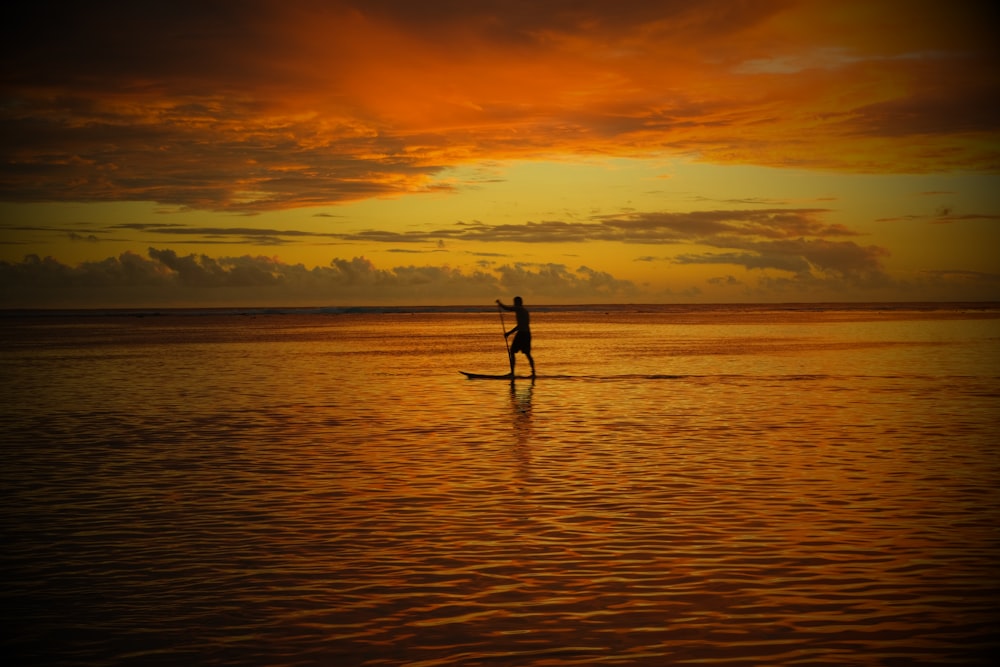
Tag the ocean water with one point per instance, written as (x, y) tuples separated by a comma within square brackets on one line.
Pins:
[(753, 485)]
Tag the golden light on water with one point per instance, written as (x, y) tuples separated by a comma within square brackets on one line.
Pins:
[(679, 484)]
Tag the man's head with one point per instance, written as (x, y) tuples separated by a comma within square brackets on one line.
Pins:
[(517, 301)]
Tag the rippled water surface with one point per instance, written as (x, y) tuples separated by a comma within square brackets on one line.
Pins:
[(740, 486)]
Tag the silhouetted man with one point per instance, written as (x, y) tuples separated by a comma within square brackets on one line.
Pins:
[(522, 341)]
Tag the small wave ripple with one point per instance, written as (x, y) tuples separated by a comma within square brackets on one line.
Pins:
[(255, 506)]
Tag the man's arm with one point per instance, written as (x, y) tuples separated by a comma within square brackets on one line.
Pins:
[(514, 330)]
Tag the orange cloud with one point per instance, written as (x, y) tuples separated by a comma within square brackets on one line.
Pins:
[(264, 105)]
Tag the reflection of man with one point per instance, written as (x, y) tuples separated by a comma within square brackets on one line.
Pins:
[(522, 341), (520, 404)]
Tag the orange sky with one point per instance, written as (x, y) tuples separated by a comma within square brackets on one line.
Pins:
[(285, 152)]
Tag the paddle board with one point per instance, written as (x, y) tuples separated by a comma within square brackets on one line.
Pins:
[(482, 376)]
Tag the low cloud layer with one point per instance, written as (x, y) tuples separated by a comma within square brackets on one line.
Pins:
[(165, 278), (798, 241), (760, 254), (786, 271)]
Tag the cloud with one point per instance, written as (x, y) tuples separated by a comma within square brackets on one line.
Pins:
[(240, 235), (166, 278), (557, 280), (275, 104), (204, 271), (947, 215), (943, 215), (728, 281), (799, 241), (859, 265), (843, 261), (932, 113), (963, 274), (783, 262), (89, 238), (796, 241), (633, 228), (34, 276)]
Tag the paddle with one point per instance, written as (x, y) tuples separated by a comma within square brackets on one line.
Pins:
[(506, 344)]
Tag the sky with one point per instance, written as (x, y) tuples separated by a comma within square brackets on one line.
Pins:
[(366, 152)]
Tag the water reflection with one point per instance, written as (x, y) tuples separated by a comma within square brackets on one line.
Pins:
[(520, 405), (520, 410)]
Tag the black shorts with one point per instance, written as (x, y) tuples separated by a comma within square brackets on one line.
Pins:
[(522, 343)]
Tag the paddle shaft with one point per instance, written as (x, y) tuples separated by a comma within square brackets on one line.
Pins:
[(506, 344)]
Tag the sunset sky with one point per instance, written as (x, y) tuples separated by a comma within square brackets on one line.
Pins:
[(281, 152)]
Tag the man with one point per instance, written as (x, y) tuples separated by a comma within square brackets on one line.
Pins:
[(522, 341)]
